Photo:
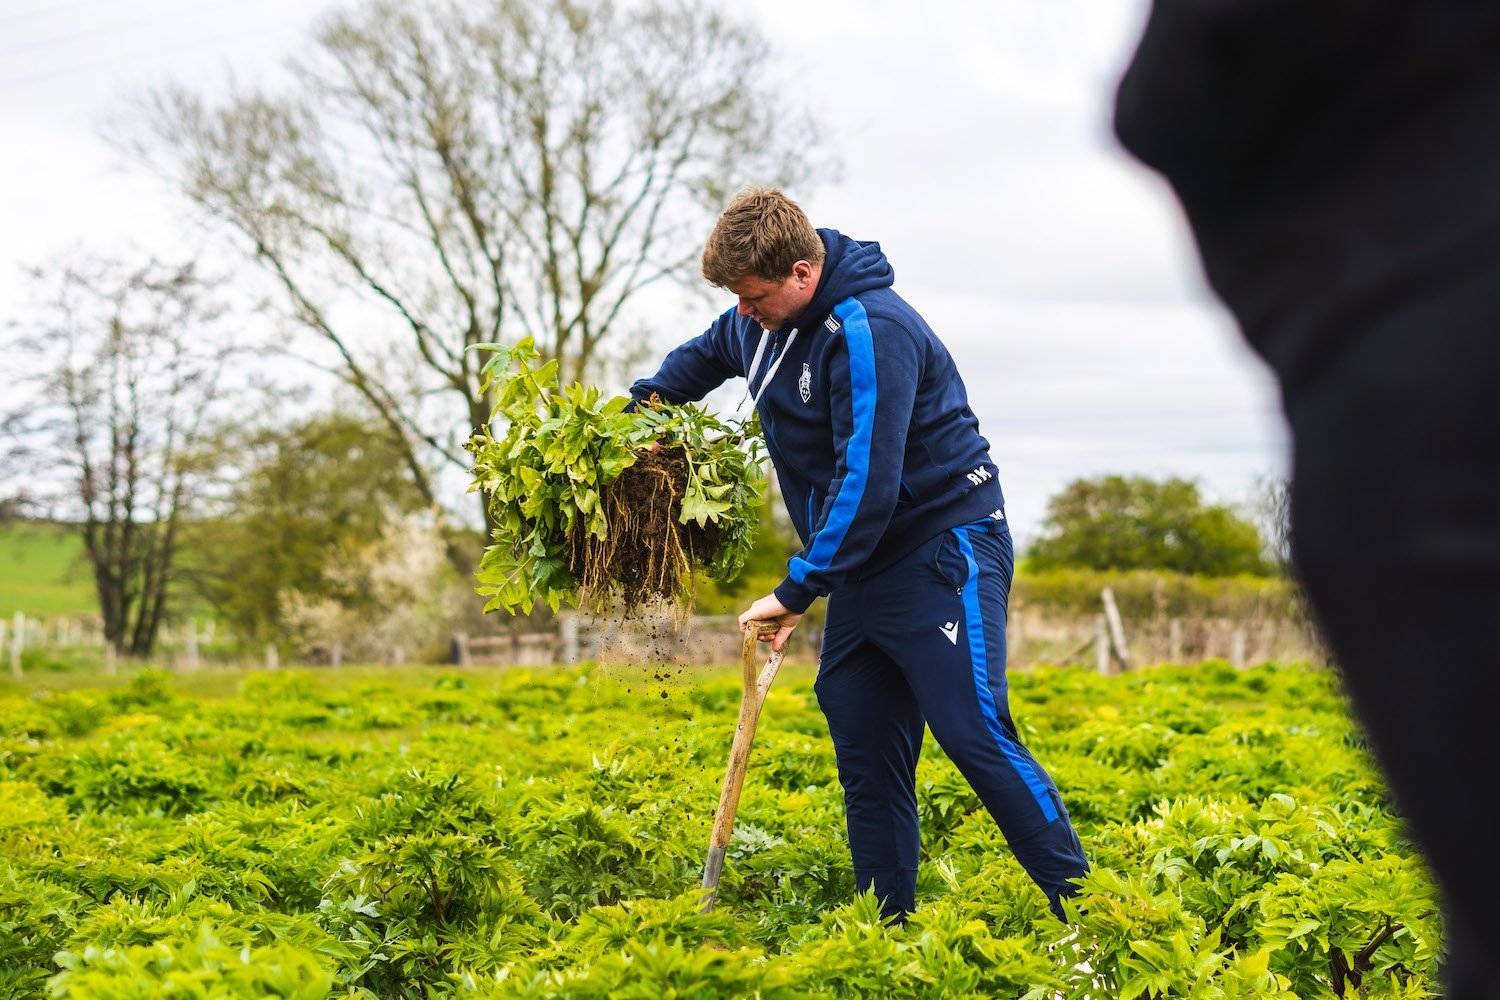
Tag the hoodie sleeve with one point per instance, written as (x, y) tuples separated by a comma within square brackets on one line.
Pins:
[(696, 368), (872, 385)]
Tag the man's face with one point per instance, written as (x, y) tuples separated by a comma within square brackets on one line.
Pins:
[(773, 303)]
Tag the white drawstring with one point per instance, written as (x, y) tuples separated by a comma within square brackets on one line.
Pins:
[(765, 383), (760, 352)]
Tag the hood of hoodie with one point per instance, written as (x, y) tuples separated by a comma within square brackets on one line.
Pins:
[(850, 267)]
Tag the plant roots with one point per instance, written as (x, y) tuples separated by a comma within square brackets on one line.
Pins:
[(647, 553)]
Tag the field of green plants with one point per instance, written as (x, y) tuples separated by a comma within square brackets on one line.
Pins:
[(497, 834)]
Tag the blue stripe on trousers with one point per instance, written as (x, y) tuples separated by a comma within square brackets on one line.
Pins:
[(974, 623)]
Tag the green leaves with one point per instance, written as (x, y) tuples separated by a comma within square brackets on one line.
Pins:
[(548, 476), (486, 834), (701, 502), (1350, 921), (197, 967)]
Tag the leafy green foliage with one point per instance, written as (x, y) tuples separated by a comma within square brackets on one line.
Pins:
[(499, 834), (424, 903), (548, 482), (1132, 522), (1353, 921), (578, 855), (191, 968)]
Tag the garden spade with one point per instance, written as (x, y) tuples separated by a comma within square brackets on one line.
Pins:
[(756, 686)]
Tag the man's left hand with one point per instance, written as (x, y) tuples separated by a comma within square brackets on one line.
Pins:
[(769, 607)]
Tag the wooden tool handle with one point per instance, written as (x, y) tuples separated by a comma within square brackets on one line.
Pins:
[(754, 696)]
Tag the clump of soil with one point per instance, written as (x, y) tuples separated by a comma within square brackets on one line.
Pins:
[(648, 556)]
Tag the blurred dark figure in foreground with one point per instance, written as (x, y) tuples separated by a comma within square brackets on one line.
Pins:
[(1339, 161)]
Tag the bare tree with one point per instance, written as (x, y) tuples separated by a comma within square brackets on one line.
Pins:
[(449, 174), (124, 373)]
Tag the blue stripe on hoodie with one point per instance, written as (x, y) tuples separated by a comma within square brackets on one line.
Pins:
[(865, 395)]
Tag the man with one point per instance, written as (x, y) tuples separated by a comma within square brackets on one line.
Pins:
[(1340, 164), (893, 494)]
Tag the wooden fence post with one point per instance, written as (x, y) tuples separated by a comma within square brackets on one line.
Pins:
[(1174, 641), (461, 649), (336, 654), (1013, 635), (271, 659), (567, 633), (1116, 627), (192, 644), (110, 655), (1101, 646), (1237, 648), (17, 644)]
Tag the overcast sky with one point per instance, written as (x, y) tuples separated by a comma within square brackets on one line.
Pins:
[(976, 149)]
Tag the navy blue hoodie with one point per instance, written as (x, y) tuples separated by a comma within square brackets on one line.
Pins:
[(866, 420)]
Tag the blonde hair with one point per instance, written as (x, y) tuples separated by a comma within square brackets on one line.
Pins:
[(763, 233)]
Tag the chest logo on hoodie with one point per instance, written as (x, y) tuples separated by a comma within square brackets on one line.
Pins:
[(804, 384)]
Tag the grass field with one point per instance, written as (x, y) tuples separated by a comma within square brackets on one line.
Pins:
[(42, 571)]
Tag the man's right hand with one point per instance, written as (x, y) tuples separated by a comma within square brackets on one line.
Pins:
[(767, 608)]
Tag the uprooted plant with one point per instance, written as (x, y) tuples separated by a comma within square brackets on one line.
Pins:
[(593, 503)]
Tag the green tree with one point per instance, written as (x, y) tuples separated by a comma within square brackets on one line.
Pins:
[(311, 498), (1133, 522)]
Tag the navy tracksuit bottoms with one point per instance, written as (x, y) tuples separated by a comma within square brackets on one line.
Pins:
[(923, 642)]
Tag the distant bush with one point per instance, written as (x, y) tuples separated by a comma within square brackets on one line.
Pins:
[(1132, 522)]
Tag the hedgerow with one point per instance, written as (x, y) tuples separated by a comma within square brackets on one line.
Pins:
[(1143, 594)]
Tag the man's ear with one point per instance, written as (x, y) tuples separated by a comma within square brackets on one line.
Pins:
[(802, 271)]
